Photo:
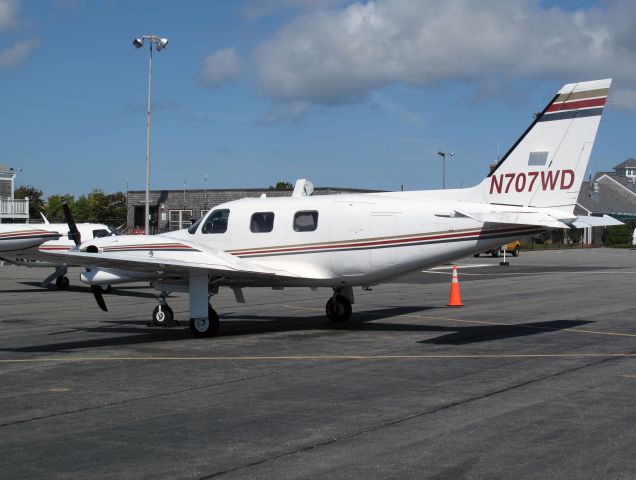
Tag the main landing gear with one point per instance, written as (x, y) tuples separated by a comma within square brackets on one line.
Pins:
[(205, 327), (62, 282), (204, 321), (338, 307)]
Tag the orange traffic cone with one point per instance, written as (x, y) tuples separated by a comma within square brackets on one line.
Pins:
[(455, 297)]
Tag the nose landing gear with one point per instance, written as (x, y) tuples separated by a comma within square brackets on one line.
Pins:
[(338, 307), (162, 315)]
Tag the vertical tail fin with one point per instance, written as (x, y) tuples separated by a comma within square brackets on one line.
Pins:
[(546, 166)]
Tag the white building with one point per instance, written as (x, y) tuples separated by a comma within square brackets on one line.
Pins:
[(11, 210)]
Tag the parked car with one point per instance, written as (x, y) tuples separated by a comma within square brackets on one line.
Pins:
[(513, 248)]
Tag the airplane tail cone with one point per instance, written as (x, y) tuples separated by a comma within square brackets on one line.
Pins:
[(455, 296)]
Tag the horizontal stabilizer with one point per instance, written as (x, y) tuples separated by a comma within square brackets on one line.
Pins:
[(591, 221), (539, 219)]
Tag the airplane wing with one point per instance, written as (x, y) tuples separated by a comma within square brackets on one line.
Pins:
[(176, 263), (539, 219)]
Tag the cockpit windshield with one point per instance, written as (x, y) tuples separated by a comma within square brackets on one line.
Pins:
[(193, 228), (216, 221)]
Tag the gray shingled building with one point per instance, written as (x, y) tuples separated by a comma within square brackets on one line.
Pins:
[(611, 193), (6, 182), (174, 209)]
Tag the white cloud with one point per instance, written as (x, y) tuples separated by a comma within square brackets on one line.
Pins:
[(17, 54), (342, 55), (8, 14), (220, 67)]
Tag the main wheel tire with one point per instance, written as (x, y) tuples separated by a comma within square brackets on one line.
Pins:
[(515, 252), (205, 327), (476, 255), (106, 288), (338, 311), (163, 316), (62, 282), (496, 254)]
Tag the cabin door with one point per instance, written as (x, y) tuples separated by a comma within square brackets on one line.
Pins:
[(350, 226)]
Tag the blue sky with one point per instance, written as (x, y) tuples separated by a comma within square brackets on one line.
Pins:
[(358, 94)]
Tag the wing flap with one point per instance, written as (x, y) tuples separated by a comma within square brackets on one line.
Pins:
[(515, 218), (591, 221)]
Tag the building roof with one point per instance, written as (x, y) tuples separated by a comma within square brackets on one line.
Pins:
[(629, 163), (5, 169), (212, 197), (615, 195)]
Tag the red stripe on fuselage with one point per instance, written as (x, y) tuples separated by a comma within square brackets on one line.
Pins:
[(371, 243), (29, 233)]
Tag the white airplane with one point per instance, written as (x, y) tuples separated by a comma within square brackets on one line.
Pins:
[(360, 240), (22, 244)]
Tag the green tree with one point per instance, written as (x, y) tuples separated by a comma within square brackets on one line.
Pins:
[(95, 207), (618, 235), (81, 210), (36, 202), (281, 186), (117, 209), (53, 208)]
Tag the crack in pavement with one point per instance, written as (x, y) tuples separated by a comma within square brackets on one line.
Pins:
[(409, 418)]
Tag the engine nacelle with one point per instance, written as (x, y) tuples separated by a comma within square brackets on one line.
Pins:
[(98, 276)]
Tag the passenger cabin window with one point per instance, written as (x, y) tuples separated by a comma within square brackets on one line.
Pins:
[(101, 233), (216, 222), (262, 222), (306, 221)]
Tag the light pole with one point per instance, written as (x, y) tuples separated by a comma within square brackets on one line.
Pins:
[(205, 183), (443, 155), (160, 45)]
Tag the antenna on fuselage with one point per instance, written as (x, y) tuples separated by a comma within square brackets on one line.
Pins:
[(303, 188)]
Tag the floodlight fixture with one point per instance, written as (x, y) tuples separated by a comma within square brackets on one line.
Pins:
[(161, 43)]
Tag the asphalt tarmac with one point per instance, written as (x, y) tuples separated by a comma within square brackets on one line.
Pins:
[(534, 378)]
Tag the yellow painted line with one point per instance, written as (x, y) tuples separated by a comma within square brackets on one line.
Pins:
[(484, 322), (630, 375), (259, 358), (59, 389)]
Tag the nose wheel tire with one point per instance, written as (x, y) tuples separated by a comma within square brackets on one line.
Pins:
[(205, 327), (162, 315), (338, 310), (62, 282)]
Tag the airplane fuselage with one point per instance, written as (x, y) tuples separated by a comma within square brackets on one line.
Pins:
[(357, 239), (23, 244)]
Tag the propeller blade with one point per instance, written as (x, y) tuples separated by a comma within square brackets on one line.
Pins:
[(99, 298), (73, 232)]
